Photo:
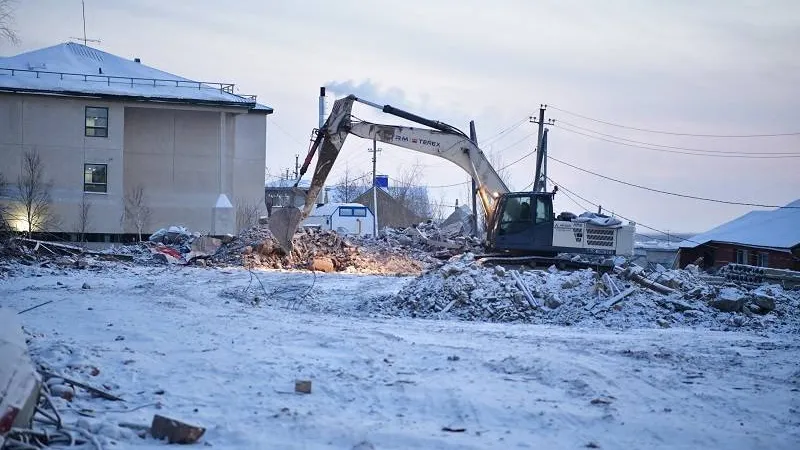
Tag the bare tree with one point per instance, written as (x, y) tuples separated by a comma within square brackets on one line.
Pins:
[(503, 170), (33, 194), (246, 214), (440, 209), (350, 185), (6, 21), (5, 226), (136, 212), (409, 193), (84, 218)]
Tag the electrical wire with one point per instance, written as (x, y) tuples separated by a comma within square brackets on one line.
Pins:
[(713, 155), (564, 188), (673, 133), (504, 131), (727, 202), (564, 122)]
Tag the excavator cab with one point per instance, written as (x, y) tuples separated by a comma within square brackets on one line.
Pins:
[(523, 223)]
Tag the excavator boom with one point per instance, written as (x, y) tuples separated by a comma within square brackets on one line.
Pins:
[(444, 141)]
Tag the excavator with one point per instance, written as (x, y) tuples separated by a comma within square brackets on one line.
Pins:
[(517, 224)]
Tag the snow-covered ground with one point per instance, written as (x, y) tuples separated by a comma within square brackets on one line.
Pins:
[(222, 349)]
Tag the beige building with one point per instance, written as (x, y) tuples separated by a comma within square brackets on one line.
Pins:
[(106, 128)]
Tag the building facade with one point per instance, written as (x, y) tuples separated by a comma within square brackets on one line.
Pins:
[(139, 142)]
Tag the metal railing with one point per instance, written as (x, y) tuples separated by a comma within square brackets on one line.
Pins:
[(132, 81)]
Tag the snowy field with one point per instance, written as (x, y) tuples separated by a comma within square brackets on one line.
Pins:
[(217, 349)]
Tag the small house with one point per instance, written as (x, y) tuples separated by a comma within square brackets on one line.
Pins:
[(343, 218), (758, 238)]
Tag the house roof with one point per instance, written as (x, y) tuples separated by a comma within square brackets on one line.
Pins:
[(285, 183), (78, 70), (329, 208), (390, 211), (778, 228)]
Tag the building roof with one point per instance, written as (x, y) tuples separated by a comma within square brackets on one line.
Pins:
[(329, 208), (778, 228), (78, 70), (286, 183), (391, 212)]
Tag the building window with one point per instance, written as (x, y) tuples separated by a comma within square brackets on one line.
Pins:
[(349, 211), (96, 121), (741, 256), (95, 178), (762, 259)]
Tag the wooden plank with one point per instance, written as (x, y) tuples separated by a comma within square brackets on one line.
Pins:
[(93, 390), (175, 431)]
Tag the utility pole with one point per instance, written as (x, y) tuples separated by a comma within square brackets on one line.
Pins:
[(473, 135), (539, 181), (374, 151), (296, 166)]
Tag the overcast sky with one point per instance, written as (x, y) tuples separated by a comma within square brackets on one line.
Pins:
[(698, 67)]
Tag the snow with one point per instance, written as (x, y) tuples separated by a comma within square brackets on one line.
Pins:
[(79, 69), (287, 183), (226, 346), (223, 202), (779, 228)]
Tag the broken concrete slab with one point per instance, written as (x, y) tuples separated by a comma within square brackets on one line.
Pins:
[(19, 380), (727, 305)]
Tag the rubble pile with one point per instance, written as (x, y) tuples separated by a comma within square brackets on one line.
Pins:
[(427, 241), (629, 298), (321, 250)]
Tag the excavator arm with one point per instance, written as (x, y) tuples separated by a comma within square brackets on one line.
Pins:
[(443, 141)]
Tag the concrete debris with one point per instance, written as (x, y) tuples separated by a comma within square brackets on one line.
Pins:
[(465, 290), (321, 250), (19, 380)]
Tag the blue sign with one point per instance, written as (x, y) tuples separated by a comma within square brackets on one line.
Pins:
[(382, 181)]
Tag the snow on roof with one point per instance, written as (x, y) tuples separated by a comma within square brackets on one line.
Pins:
[(329, 208), (76, 69), (778, 228), (287, 183)]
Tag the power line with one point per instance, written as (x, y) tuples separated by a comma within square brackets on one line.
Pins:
[(564, 122), (562, 187), (746, 156), (435, 187), (504, 131), (290, 136), (670, 193), (673, 133)]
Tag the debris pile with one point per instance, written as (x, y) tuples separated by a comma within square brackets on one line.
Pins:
[(322, 250), (628, 298), (428, 239)]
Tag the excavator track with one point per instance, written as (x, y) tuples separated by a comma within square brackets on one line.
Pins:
[(542, 261)]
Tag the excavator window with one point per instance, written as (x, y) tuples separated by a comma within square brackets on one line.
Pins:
[(516, 216), (544, 210)]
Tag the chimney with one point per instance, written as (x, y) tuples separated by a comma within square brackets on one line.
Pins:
[(137, 60), (321, 107)]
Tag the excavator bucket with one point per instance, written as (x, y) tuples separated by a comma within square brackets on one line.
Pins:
[(283, 224)]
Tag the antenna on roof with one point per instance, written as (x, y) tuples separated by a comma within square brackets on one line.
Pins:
[(84, 39)]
